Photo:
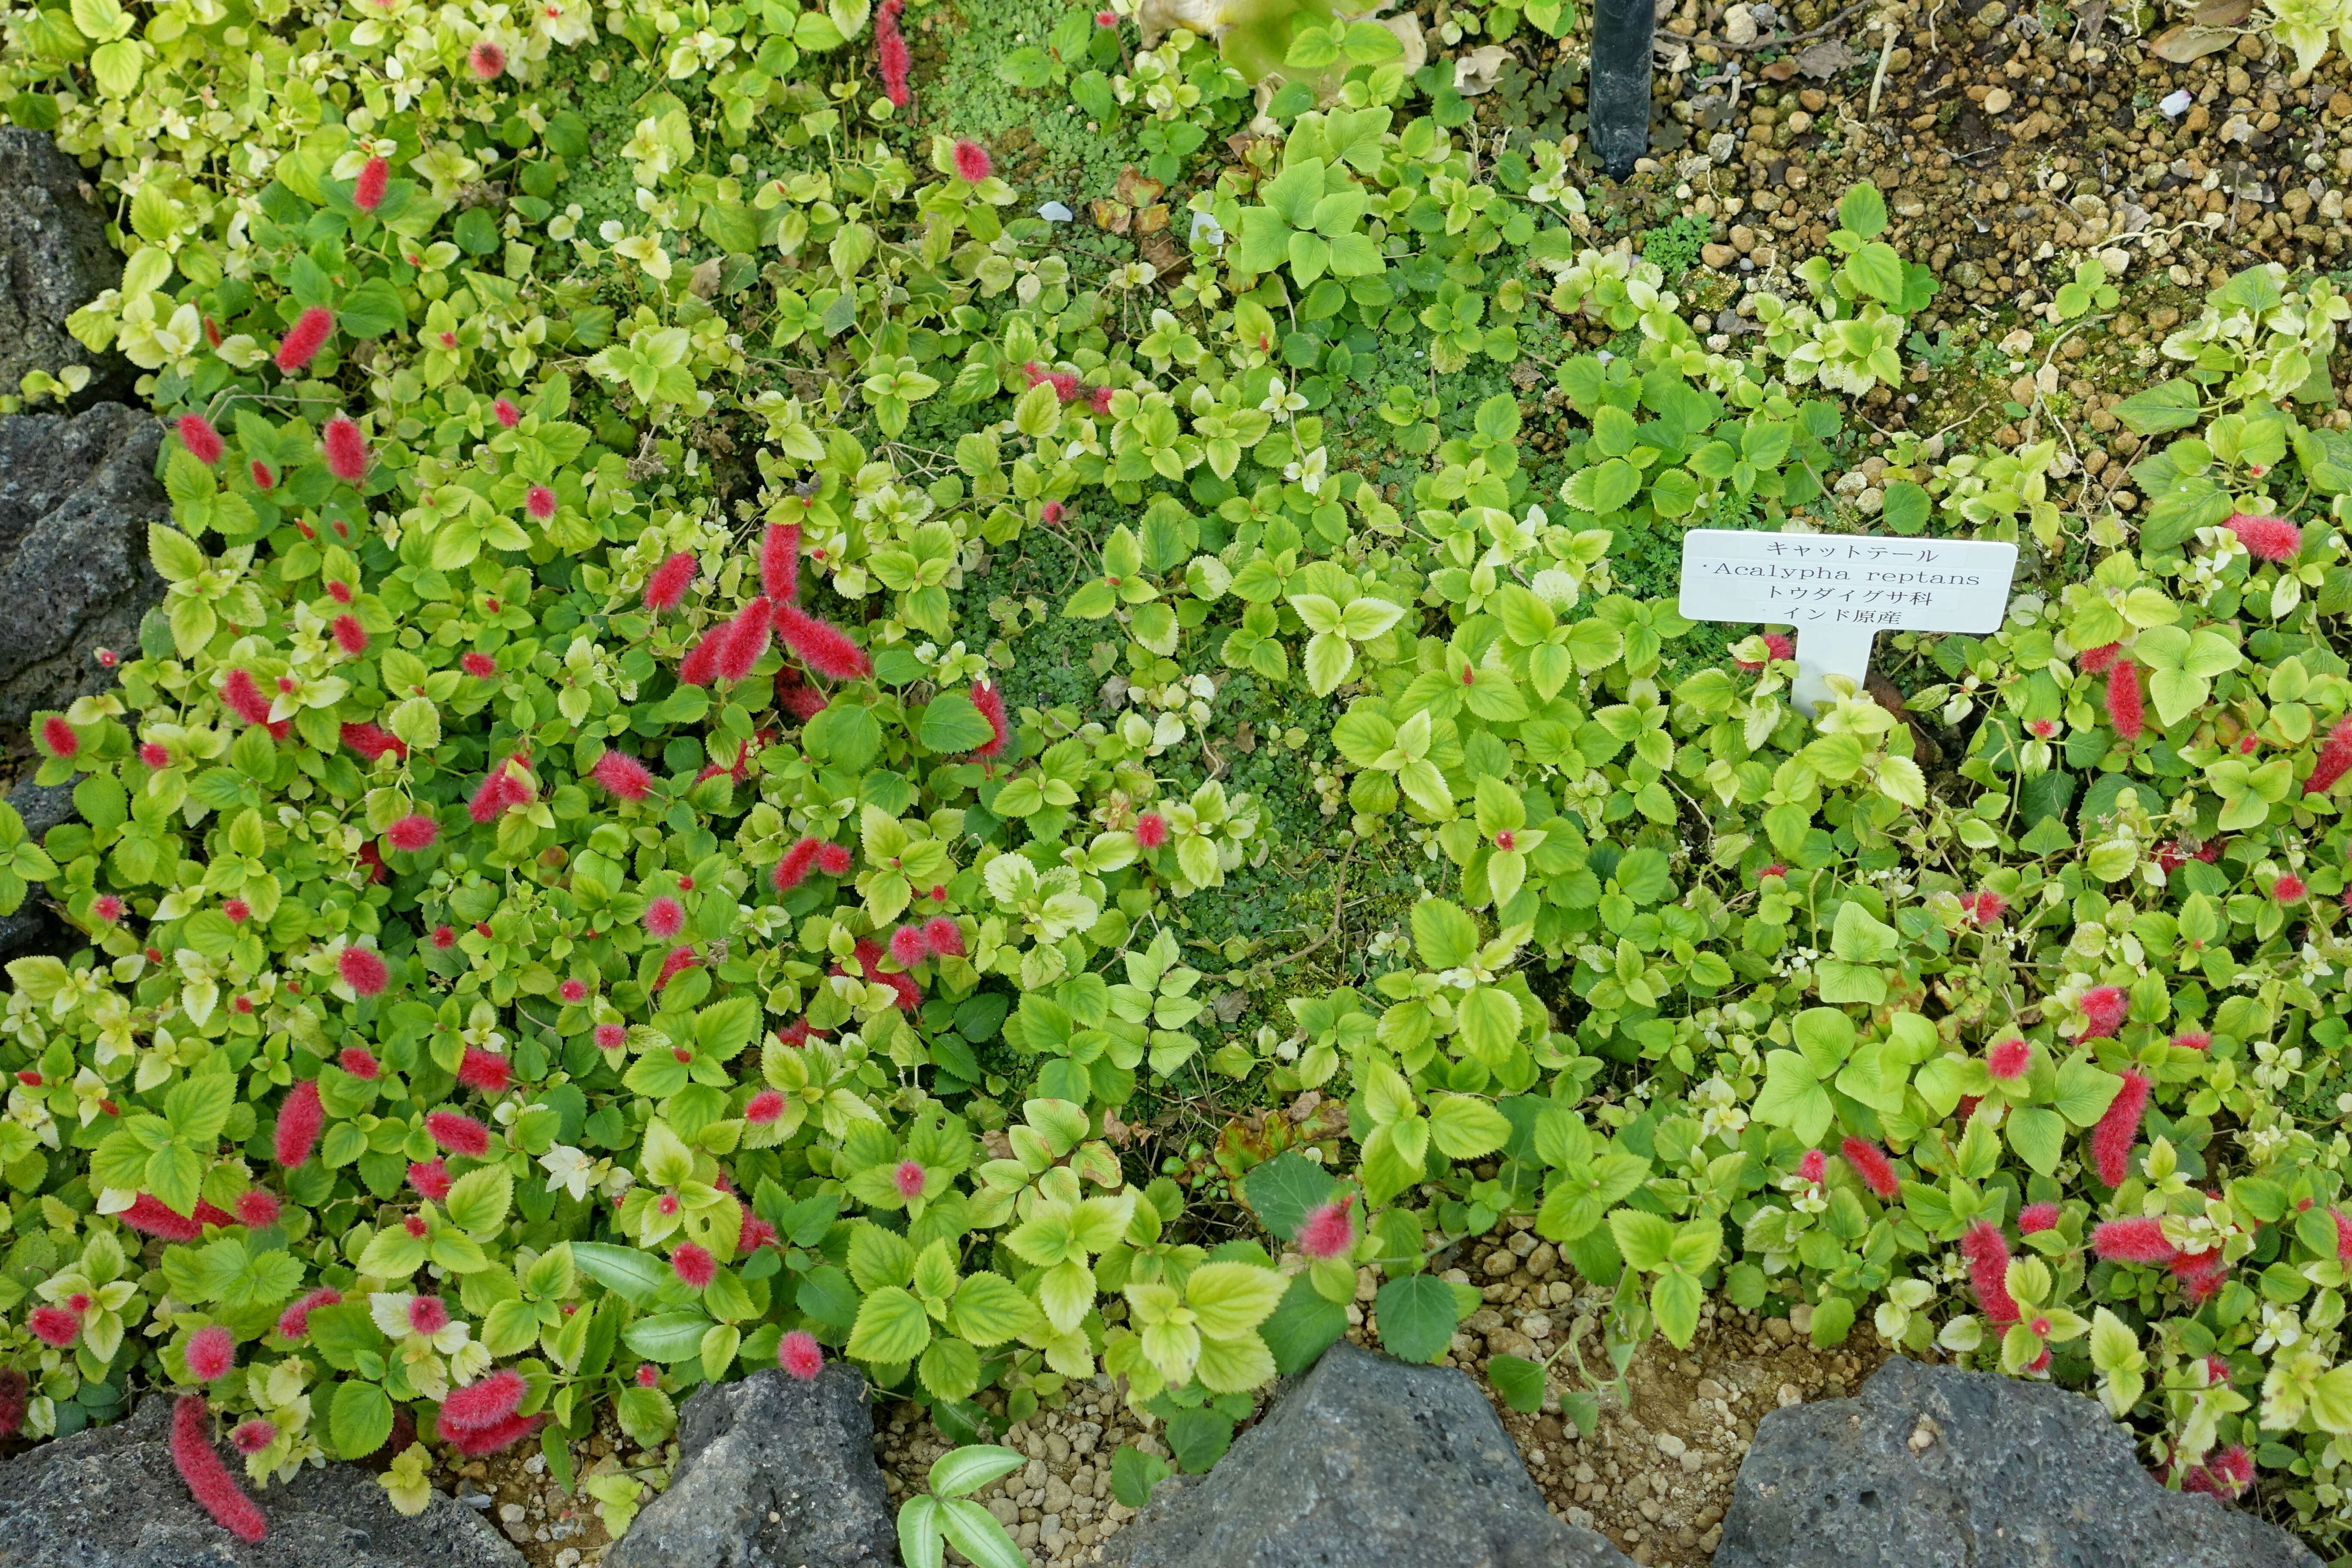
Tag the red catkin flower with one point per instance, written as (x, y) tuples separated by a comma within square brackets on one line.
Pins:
[(764, 1108), (212, 1352), (693, 1266), (908, 1179), (15, 1390), (1777, 645), (263, 476), (986, 698), (149, 1216), (371, 741), (905, 993), (2008, 1059), (2125, 709), (1329, 1230), (906, 945), (895, 60), (484, 1071), (2192, 1039), (797, 697), (1150, 831), (746, 638), (106, 908), (2112, 1139), (208, 1480), (303, 340), (482, 1405), (833, 859), (413, 832), (350, 636), (506, 413), (480, 665), (360, 1062), (676, 961), (670, 581), (780, 561), (54, 1326), (621, 776), (1814, 1167), (794, 869), (2034, 1218), (59, 738), (1985, 908), (2271, 539), (611, 1037), (256, 1209), (943, 937), (572, 992), (204, 443), (339, 592), (701, 665), (751, 1232), (458, 1134), (367, 191), (1986, 1252), (486, 60), (972, 163), (823, 647), (800, 1355), (155, 756), (2288, 888), (253, 1436), (244, 699), (2104, 1009), (2334, 761), (298, 1121), (2134, 1240), (665, 917), (363, 970), (539, 502), (1871, 1163), (346, 448)]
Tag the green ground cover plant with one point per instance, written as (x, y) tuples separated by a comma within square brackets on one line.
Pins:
[(678, 812)]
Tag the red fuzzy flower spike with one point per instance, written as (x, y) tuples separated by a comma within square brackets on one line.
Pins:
[(363, 970), (670, 581), (474, 1442), (212, 1353), (833, 859), (1986, 1251), (298, 1121), (894, 59), (431, 1178), (2124, 709), (484, 1071), (59, 738), (764, 1109), (2137, 1240), (746, 639), (623, 776), (676, 961), (1814, 1167), (800, 1355), (991, 703), (486, 60), (780, 561), (1150, 831), (2034, 1218), (372, 740), (459, 1134), (694, 1266), (253, 1436), (350, 636), (1777, 645), (794, 869), (2112, 1139), (14, 1389), (367, 191), (54, 1326), (823, 647), (482, 1405), (1984, 908), (207, 1478), (2335, 759), (1871, 1163), (665, 917), (2007, 1059), (797, 697), (305, 338), (906, 945), (413, 832), (2192, 1039), (204, 443), (244, 699), (346, 448), (258, 1210), (295, 1321), (149, 1216), (539, 502), (701, 665), (2271, 539), (972, 163), (2288, 888), (943, 937), (2104, 1009), (1329, 1230), (903, 991)]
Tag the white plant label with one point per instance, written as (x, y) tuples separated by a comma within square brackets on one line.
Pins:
[(1841, 590)]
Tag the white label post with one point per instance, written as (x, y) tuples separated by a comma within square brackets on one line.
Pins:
[(1842, 590)]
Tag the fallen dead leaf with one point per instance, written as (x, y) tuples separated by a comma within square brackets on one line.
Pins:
[(1111, 217), (1824, 59), (1477, 72), (2186, 41)]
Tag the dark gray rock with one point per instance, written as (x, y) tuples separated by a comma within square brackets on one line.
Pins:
[(2009, 1474), (53, 260), (75, 497), (109, 1497), (771, 1473), (1364, 1462)]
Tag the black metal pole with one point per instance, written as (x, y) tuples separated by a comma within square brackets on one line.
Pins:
[(1621, 31)]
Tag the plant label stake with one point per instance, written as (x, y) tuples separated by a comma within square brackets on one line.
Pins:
[(1621, 35), (1839, 591)]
